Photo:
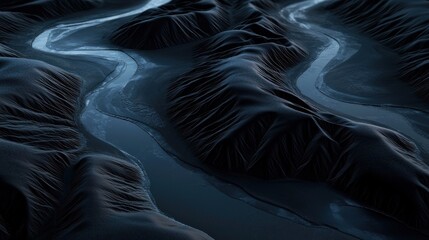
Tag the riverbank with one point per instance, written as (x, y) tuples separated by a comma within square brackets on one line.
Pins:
[(124, 113)]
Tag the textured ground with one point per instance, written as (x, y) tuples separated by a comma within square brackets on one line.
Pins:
[(235, 105), (51, 186), (400, 25), (239, 115)]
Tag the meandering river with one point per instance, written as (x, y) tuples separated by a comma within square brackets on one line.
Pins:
[(184, 192)]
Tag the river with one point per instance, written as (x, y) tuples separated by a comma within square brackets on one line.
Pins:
[(184, 192)]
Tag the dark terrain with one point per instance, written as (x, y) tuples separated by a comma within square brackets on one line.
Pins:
[(253, 119)]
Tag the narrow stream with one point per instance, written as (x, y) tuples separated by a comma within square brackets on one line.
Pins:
[(182, 191), (307, 83)]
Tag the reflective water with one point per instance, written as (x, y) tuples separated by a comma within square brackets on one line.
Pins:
[(182, 192), (308, 82)]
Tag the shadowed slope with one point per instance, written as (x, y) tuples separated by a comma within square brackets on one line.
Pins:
[(240, 116), (6, 51), (173, 23), (47, 189), (18, 15), (398, 24), (108, 200), (38, 141), (12, 22), (48, 8)]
